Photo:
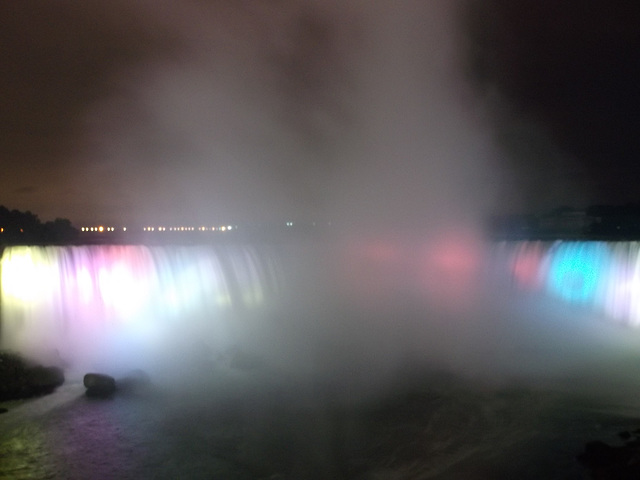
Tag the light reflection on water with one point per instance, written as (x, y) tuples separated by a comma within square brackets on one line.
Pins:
[(75, 439), (242, 427), (27, 454)]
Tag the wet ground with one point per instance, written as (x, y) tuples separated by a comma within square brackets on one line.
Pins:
[(245, 425)]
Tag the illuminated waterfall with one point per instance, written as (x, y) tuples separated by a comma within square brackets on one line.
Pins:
[(603, 276), (91, 300), (97, 302)]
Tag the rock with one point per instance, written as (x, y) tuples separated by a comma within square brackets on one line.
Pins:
[(99, 385), (45, 379), (598, 454), (608, 462), (22, 379), (13, 377), (624, 435), (135, 382)]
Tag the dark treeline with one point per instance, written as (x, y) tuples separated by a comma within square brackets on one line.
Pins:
[(25, 228), (615, 222), (623, 220)]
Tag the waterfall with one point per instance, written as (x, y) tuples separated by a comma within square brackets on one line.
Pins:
[(603, 276), (102, 305), (93, 301)]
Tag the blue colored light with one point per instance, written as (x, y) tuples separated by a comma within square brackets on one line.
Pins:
[(577, 270)]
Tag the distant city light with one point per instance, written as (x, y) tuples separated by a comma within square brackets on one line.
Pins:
[(184, 228), (100, 229)]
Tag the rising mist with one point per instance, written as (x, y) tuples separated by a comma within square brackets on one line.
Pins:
[(359, 118)]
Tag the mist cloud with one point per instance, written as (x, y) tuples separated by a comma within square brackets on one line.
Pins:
[(311, 110)]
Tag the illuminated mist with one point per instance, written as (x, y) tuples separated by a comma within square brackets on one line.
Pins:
[(351, 114), (117, 306)]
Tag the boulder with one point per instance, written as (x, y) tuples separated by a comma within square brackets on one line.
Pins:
[(612, 462), (136, 382), (99, 385), (20, 378), (45, 380), (14, 381)]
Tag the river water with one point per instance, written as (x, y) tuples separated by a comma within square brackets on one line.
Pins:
[(248, 424)]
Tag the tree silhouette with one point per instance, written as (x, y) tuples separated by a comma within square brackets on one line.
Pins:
[(20, 228)]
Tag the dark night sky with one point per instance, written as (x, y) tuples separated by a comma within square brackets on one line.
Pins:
[(571, 68), (226, 110)]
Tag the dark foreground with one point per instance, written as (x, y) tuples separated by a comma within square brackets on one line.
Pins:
[(245, 425)]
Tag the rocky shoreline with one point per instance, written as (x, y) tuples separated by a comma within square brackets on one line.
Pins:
[(607, 462), (21, 378)]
